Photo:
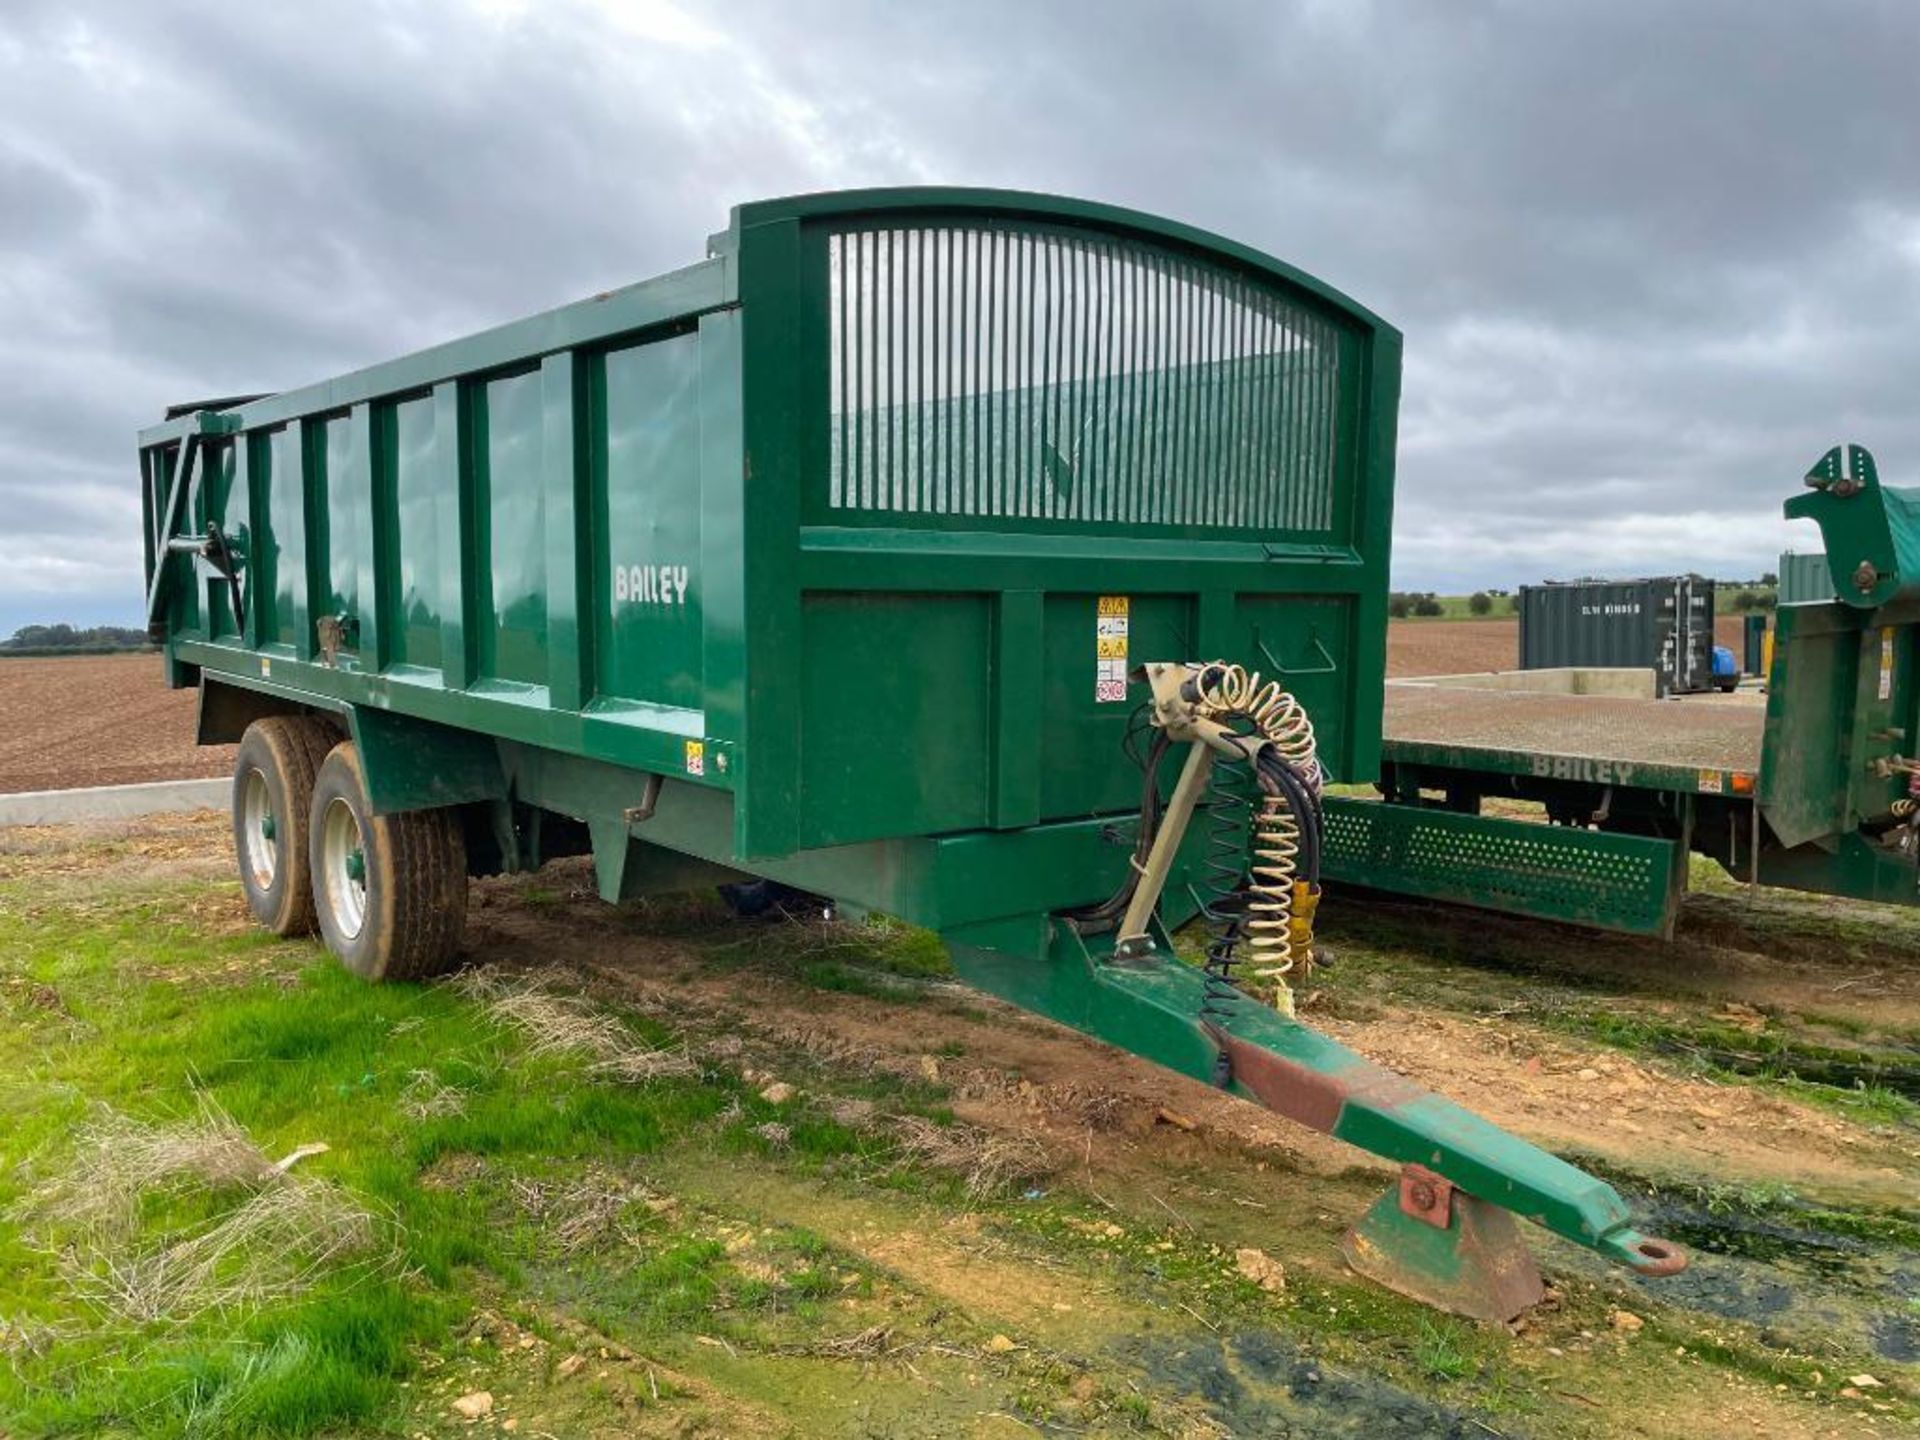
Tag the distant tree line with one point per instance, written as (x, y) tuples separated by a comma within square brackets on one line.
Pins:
[(1741, 595), (64, 639), (1402, 604)]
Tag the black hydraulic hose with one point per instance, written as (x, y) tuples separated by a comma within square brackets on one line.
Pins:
[(1228, 816), (1277, 776), (1098, 919)]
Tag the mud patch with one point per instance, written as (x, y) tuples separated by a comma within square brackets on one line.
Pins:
[(1897, 1337), (1800, 1285), (1258, 1383)]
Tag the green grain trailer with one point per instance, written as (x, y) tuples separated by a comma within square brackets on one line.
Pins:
[(839, 559), (1815, 787)]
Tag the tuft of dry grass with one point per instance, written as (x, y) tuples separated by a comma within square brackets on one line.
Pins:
[(426, 1098), (118, 1160), (638, 1064), (569, 1025), (274, 1241), (272, 1246), (990, 1164), (873, 1343), (22, 1338), (581, 1213)]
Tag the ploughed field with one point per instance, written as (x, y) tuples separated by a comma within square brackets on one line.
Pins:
[(1458, 647), (68, 721), (660, 1171)]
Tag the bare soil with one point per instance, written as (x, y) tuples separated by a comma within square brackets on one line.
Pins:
[(1566, 1097), (72, 721), (1015, 1071), (1451, 647)]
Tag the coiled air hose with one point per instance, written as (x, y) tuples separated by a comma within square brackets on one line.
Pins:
[(1260, 880), (1262, 897)]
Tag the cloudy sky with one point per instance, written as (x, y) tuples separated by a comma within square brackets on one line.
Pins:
[(1650, 258)]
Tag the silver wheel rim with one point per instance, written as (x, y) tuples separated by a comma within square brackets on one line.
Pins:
[(343, 869), (259, 836)]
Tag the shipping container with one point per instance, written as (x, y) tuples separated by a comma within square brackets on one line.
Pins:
[(1804, 579), (1663, 624)]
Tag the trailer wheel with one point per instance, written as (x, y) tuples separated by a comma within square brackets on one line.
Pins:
[(273, 778), (391, 890)]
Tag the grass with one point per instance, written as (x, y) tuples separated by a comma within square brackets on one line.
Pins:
[(487, 1143), (1442, 1349), (160, 1101), (518, 1180)]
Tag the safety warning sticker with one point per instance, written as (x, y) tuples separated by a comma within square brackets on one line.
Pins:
[(1110, 648), (1886, 663), (696, 757)]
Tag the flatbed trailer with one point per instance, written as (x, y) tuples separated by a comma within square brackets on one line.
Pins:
[(1809, 786)]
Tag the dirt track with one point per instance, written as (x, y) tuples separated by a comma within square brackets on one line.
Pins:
[(1451, 647)]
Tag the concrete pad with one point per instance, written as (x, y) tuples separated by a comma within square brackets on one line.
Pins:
[(113, 802), (1561, 680)]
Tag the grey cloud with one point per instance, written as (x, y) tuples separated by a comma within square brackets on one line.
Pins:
[(1650, 259)]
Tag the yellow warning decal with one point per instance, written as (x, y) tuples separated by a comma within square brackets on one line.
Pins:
[(1110, 649), (696, 757), (1711, 782)]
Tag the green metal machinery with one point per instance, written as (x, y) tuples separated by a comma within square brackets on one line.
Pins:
[(856, 558), (1814, 787)]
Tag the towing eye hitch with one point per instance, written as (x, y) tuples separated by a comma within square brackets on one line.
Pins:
[(1446, 1232)]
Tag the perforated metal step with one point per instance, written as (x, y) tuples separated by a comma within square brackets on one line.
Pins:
[(1554, 872)]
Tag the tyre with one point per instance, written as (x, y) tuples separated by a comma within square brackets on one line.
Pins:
[(390, 890), (273, 778)]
